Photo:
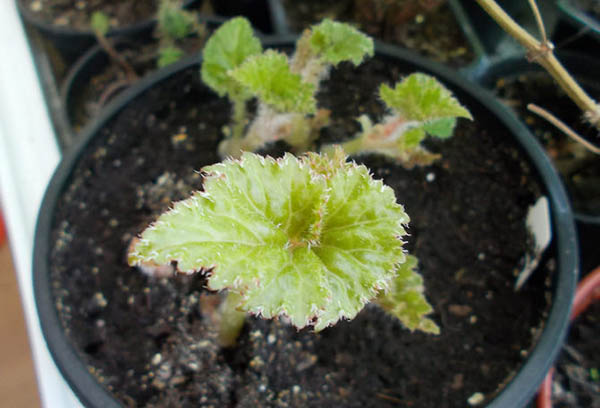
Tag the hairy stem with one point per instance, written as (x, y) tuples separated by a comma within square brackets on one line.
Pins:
[(541, 52), (239, 118), (351, 147), (232, 320)]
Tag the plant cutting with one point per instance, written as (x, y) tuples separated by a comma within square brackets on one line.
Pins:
[(304, 279), (154, 341), (311, 239), (286, 89)]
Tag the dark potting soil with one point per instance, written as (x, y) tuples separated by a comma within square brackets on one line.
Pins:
[(152, 341), (577, 375), (435, 33), (592, 7), (76, 14), (87, 99), (579, 168)]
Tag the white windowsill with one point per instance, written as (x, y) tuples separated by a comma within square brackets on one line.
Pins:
[(28, 156)]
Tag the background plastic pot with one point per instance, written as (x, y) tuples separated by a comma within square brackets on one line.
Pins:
[(257, 11), (578, 18), (588, 292), (583, 67), (93, 62), (520, 389), (281, 26), (72, 43)]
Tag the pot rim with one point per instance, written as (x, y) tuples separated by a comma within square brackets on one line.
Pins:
[(518, 391), (129, 29), (578, 18)]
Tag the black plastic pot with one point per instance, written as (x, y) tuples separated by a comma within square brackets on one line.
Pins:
[(72, 43), (93, 62), (583, 67), (257, 11), (516, 394), (579, 19), (282, 26)]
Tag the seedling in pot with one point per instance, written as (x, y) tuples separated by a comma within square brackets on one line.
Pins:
[(173, 25), (313, 238), (234, 65), (100, 24)]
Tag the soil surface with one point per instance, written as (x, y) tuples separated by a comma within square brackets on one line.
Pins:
[(579, 168), (429, 28), (577, 375), (591, 7), (152, 342), (76, 14)]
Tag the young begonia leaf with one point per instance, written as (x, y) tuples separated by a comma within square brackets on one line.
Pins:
[(335, 42), (313, 238), (421, 97), (228, 47), (169, 55), (442, 128), (100, 22), (412, 138), (269, 77), (405, 299), (174, 22)]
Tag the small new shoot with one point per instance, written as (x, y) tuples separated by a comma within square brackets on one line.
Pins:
[(235, 65), (174, 24)]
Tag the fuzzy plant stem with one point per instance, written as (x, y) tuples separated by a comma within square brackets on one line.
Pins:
[(354, 146), (541, 52), (232, 320), (239, 118)]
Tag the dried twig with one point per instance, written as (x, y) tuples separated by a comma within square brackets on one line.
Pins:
[(542, 53), (563, 127), (538, 20)]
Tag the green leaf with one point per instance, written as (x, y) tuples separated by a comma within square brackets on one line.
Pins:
[(442, 128), (169, 55), (173, 22), (269, 77), (412, 138), (421, 97), (100, 22), (406, 301), (310, 238), (335, 42), (226, 49)]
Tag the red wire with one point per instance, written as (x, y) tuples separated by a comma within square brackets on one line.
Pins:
[(588, 292), (2, 231)]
